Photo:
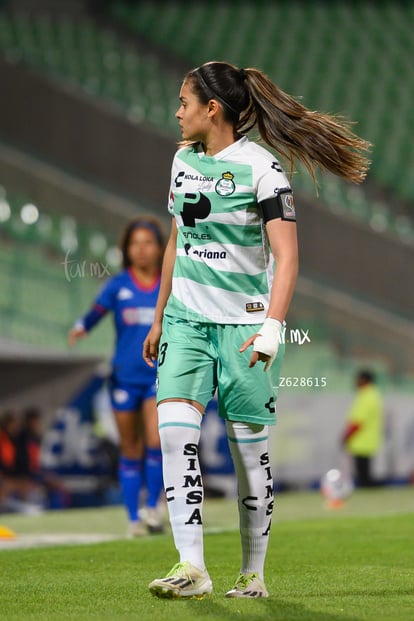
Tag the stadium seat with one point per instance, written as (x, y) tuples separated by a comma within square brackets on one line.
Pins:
[(370, 53), (50, 275)]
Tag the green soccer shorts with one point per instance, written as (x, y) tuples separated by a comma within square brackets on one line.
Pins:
[(195, 359)]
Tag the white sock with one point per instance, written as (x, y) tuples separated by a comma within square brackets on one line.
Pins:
[(249, 448), (179, 427)]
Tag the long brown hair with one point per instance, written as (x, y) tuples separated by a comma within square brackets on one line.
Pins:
[(250, 99)]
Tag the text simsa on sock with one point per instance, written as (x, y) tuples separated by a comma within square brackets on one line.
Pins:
[(249, 448), (179, 427)]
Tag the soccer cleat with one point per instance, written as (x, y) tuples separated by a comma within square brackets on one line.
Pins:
[(184, 580), (154, 521), (248, 585), (136, 529)]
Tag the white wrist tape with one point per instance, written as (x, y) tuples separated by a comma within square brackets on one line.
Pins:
[(268, 341)]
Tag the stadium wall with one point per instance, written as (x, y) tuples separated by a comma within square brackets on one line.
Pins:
[(347, 254), (94, 141), (306, 442), (40, 378)]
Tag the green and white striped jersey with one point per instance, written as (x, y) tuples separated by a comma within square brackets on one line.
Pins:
[(224, 268)]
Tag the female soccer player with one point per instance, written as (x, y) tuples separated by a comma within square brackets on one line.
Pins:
[(131, 295), (233, 218)]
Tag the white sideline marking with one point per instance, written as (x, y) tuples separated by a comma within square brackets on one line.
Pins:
[(35, 541)]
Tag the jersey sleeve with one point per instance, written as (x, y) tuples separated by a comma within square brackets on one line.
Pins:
[(104, 302), (274, 194), (107, 295)]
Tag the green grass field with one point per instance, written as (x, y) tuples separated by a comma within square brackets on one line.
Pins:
[(355, 563)]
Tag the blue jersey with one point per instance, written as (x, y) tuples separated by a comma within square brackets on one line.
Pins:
[(133, 306)]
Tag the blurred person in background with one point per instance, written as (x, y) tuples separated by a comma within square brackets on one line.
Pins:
[(222, 306), (363, 434), (55, 494), (131, 296), (20, 488), (32, 439)]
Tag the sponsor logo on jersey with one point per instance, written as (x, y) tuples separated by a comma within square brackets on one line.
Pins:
[(202, 178), (196, 206), (192, 235), (254, 307), (143, 315), (177, 181), (225, 186), (182, 176), (276, 166), (204, 253), (125, 294)]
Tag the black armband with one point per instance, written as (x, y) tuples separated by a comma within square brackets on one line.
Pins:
[(279, 206)]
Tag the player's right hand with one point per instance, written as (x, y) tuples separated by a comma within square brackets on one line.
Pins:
[(76, 333), (151, 343)]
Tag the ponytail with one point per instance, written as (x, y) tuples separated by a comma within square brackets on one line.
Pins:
[(250, 99)]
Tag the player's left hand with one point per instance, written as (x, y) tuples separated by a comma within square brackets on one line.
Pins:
[(265, 343)]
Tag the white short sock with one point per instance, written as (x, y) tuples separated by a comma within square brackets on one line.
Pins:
[(249, 448), (179, 427)]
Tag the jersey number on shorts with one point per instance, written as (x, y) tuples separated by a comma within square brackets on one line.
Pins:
[(161, 354)]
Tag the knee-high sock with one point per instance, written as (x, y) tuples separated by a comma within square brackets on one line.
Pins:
[(249, 448), (130, 479), (179, 427), (153, 476)]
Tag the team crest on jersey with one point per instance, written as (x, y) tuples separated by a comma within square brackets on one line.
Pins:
[(225, 186)]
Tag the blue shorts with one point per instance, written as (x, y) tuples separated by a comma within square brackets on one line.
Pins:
[(129, 397)]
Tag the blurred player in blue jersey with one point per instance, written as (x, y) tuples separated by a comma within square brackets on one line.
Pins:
[(131, 296)]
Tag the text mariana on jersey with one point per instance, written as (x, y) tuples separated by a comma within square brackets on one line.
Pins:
[(211, 254), (204, 253)]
